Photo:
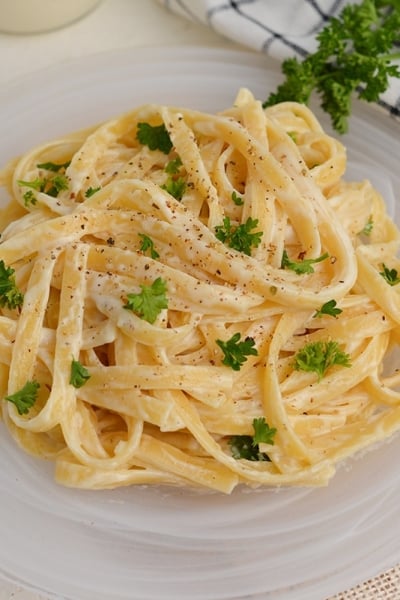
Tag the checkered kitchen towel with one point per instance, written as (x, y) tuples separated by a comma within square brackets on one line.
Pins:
[(281, 28)]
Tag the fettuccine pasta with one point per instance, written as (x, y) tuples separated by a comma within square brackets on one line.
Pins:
[(197, 300)]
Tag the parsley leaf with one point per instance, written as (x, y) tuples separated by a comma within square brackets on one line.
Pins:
[(236, 351), (79, 374), (238, 200), (303, 266), (239, 238), (329, 308), (263, 433), (150, 301), (247, 446), (57, 184), (156, 137), (175, 187), (55, 167), (319, 356), (29, 198), (389, 275), (354, 55), (148, 244), (368, 227), (25, 398), (173, 166), (91, 191), (51, 186), (10, 295), (37, 184)]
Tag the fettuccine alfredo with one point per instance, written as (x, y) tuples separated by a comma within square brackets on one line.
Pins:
[(198, 300)]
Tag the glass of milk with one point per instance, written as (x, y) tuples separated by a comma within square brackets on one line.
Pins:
[(36, 16)]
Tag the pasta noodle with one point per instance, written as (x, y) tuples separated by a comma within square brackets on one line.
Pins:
[(139, 266)]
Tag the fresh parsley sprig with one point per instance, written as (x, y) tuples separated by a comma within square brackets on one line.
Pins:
[(236, 199), (176, 186), (54, 167), (148, 303), (52, 185), (319, 356), (79, 374), (390, 275), (247, 446), (10, 295), (329, 308), (148, 244), (239, 237), (91, 191), (236, 350), (354, 56), (301, 267), (24, 398), (176, 182), (156, 137)]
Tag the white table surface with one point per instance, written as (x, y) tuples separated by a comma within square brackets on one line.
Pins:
[(113, 24)]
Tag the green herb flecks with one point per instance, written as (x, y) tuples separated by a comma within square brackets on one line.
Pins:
[(329, 308), (91, 191), (318, 357), (79, 374), (389, 275), (236, 350), (10, 295), (240, 237), (156, 137), (24, 398), (148, 244), (148, 303), (247, 446), (301, 267), (236, 199)]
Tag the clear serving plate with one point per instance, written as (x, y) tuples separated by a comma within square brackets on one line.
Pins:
[(150, 543)]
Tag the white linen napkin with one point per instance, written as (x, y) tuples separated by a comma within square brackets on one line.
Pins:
[(282, 28)]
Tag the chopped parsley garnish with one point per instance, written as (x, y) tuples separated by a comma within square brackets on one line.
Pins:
[(25, 398), (247, 446), (389, 275), (173, 166), (10, 295), (37, 184), (319, 356), (329, 308), (301, 267), (79, 374), (51, 186), (368, 227), (91, 191), (29, 198), (175, 184), (175, 187), (354, 55), (56, 185), (240, 237), (156, 137), (236, 351), (148, 303), (148, 244), (238, 200), (55, 167)]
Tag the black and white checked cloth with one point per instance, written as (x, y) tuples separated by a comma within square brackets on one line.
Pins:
[(281, 28)]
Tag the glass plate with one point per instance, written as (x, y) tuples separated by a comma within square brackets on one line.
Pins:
[(151, 543)]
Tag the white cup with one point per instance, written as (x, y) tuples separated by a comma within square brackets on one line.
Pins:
[(36, 16)]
